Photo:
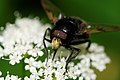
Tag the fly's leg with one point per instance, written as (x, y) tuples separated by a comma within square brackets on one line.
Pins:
[(71, 56), (88, 46), (44, 38), (54, 54), (67, 61)]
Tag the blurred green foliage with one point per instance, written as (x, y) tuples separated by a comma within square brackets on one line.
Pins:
[(94, 11)]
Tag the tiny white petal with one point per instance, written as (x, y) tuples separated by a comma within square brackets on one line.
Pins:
[(7, 77), (26, 78), (2, 78), (26, 60), (12, 62), (40, 53), (0, 73), (80, 78), (27, 67), (31, 59)]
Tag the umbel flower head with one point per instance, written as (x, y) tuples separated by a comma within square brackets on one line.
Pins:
[(23, 41)]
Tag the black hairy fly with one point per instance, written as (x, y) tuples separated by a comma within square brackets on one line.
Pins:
[(69, 31)]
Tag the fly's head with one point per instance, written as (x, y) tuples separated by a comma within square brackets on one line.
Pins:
[(56, 42)]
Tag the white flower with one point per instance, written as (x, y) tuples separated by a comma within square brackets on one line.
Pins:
[(1, 52), (26, 78), (35, 52), (82, 70), (0, 73), (98, 57), (81, 78), (40, 72), (31, 63), (99, 61), (48, 77), (1, 78), (73, 72), (32, 77), (15, 77), (15, 58), (35, 75), (24, 40), (89, 75), (84, 63), (11, 77), (39, 64), (18, 39)]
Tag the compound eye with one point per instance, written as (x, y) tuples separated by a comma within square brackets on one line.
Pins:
[(60, 34)]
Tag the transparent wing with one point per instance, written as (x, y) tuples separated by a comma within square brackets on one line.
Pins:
[(53, 13), (95, 28), (51, 10)]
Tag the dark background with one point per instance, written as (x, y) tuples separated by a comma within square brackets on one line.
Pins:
[(94, 11)]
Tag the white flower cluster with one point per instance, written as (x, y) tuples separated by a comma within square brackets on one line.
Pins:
[(24, 39), (18, 39), (82, 70), (9, 77)]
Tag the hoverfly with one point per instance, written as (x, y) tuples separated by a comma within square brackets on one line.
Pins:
[(68, 31)]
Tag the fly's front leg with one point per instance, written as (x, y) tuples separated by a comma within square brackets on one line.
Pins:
[(89, 43), (71, 56), (44, 38), (54, 54)]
